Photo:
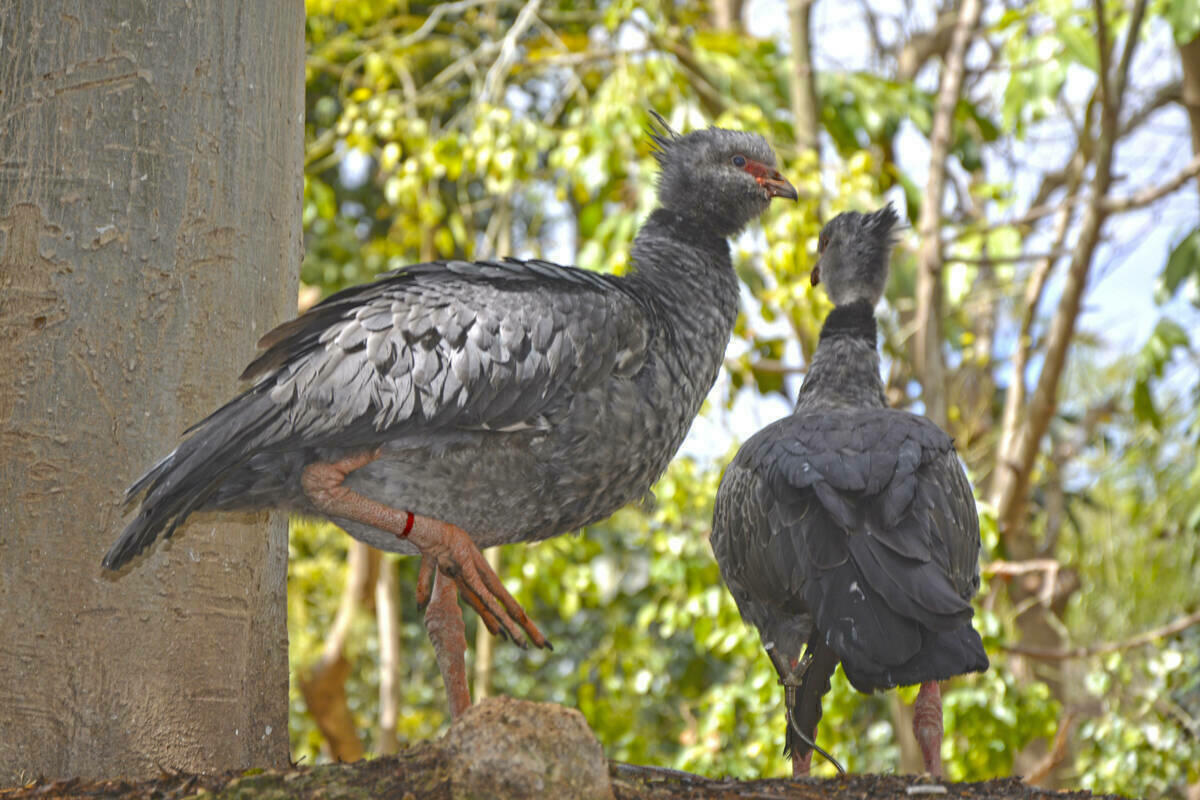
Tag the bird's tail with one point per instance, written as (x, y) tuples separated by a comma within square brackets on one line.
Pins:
[(182, 481), (943, 655)]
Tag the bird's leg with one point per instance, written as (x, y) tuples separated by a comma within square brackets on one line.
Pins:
[(444, 624), (927, 725), (801, 765), (445, 545)]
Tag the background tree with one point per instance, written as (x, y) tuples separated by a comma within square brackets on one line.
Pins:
[(1025, 141), (148, 198)]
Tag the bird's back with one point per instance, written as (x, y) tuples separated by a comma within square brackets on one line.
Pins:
[(860, 523)]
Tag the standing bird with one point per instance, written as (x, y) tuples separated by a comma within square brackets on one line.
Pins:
[(455, 405), (849, 529)]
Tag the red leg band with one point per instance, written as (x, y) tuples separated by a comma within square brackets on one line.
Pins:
[(408, 523)]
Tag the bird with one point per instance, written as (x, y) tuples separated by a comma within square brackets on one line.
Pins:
[(847, 531), (455, 405)]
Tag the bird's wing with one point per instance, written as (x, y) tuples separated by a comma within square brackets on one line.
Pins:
[(433, 348), (764, 571), (879, 512), (478, 345)]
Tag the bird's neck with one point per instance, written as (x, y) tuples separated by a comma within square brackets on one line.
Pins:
[(686, 266), (845, 369), (665, 224)]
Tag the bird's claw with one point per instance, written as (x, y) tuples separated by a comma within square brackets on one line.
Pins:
[(459, 559), (425, 577)]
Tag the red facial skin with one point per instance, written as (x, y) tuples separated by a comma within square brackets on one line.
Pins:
[(770, 179)]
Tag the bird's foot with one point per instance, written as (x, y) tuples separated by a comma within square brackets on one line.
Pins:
[(441, 544), (454, 554), (801, 765), (927, 726), (795, 675)]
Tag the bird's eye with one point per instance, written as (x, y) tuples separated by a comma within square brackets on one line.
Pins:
[(739, 161), (822, 243)]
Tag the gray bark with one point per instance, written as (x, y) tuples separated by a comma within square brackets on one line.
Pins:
[(150, 177), (804, 85), (1189, 57)]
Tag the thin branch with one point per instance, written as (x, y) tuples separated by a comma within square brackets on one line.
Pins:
[(1142, 639), (1058, 752), (439, 11), (769, 366), (929, 359), (387, 618), (924, 45), (1166, 94), (711, 98), (1022, 441), (323, 684), (484, 642), (1009, 569), (1117, 205), (1013, 259), (493, 84)]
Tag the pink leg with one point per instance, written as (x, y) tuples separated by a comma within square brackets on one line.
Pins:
[(801, 765), (444, 545), (444, 623), (927, 725)]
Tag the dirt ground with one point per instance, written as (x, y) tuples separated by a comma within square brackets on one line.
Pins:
[(417, 774)]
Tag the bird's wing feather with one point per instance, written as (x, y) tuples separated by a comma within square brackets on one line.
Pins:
[(448, 345), (487, 345)]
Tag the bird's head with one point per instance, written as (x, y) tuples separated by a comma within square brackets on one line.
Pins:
[(854, 250), (721, 179)]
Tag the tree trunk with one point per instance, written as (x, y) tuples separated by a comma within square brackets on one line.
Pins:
[(1189, 57), (804, 83), (929, 359), (727, 15), (150, 177)]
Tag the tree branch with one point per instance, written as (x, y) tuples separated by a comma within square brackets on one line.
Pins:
[(1058, 752), (387, 618), (804, 92), (323, 684), (1117, 205), (1022, 447), (493, 84), (924, 45), (1189, 94), (1013, 259), (1149, 637), (929, 360)]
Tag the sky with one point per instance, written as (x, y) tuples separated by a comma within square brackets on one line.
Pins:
[(1119, 306)]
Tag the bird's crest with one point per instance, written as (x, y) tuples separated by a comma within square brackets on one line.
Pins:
[(661, 136), (883, 223)]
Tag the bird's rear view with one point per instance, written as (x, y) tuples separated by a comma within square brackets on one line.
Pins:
[(847, 531), (456, 405)]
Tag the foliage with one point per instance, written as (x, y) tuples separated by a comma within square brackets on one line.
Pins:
[(424, 142)]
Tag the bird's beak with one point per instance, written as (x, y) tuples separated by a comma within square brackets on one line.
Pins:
[(816, 273), (777, 186), (770, 180)]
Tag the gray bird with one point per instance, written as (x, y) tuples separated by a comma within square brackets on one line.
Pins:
[(455, 405), (848, 530)]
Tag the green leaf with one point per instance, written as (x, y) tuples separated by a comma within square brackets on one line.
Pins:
[(1143, 404), (1081, 46), (1182, 265), (1184, 19)]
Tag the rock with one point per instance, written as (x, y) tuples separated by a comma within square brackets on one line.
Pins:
[(506, 749)]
